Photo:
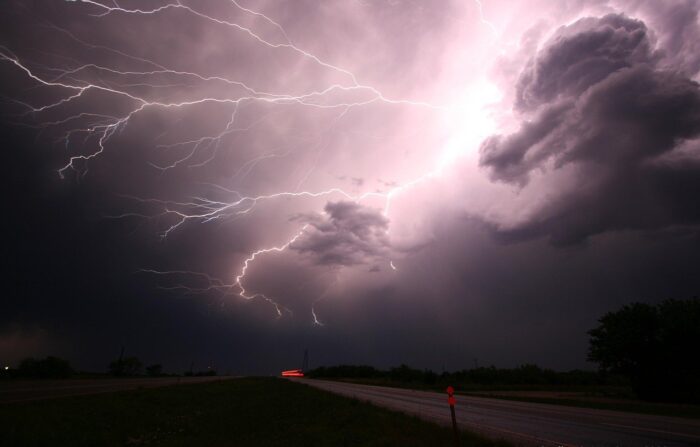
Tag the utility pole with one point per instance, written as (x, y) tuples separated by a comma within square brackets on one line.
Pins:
[(305, 365), (120, 363)]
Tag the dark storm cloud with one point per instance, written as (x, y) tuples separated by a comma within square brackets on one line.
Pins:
[(599, 100), (678, 28), (72, 269), (581, 55), (347, 234), (455, 294)]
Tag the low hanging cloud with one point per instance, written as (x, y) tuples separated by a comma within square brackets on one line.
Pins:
[(346, 234), (600, 100)]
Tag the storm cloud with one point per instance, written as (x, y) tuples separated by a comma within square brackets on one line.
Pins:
[(434, 182), (347, 234), (600, 100)]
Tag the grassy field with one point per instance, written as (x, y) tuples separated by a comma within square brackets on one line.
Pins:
[(597, 397), (239, 412)]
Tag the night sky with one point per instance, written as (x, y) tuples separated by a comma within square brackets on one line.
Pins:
[(230, 182)]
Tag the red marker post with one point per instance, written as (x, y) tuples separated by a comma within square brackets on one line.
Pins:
[(452, 401)]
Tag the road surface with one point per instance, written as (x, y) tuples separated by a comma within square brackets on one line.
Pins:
[(27, 390), (525, 423)]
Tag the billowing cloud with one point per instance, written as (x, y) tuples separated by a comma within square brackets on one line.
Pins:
[(600, 100), (581, 55), (677, 27), (346, 234), (207, 125)]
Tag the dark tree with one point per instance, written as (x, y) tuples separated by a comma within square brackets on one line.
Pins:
[(655, 346), (404, 373), (154, 370), (48, 368), (128, 366)]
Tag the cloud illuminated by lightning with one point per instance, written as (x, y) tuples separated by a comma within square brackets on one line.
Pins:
[(72, 82)]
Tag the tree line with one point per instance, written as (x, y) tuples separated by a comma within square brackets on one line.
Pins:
[(652, 348), (490, 376), (657, 347), (52, 367)]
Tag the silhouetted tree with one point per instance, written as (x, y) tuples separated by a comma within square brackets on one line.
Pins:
[(655, 346), (429, 377), (346, 371), (154, 370), (48, 368), (404, 373), (127, 366), (490, 376)]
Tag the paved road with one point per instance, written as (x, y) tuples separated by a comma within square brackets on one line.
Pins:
[(27, 390), (527, 423)]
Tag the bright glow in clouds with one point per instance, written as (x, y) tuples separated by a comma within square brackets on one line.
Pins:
[(470, 121), (467, 124), (313, 138)]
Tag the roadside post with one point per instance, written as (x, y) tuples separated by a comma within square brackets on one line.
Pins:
[(452, 401)]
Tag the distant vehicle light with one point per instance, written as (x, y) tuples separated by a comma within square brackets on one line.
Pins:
[(293, 373)]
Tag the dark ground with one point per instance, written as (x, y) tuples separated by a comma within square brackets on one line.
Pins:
[(240, 412)]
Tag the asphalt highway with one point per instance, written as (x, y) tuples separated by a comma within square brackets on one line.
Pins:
[(525, 423), (27, 390)]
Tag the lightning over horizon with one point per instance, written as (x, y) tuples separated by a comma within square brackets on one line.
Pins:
[(74, 80), (381, 182)]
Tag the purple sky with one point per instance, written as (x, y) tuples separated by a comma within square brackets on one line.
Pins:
[(379, 181)]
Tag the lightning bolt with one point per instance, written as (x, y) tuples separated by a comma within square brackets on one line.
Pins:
[(491, 26), (243, 293), (73, 84), (323, 296)]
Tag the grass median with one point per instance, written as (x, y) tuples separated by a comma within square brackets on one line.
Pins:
[(238, 412)]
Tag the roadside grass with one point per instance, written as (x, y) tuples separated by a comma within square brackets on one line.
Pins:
[(618, 398), (631, 406), (238, 412)]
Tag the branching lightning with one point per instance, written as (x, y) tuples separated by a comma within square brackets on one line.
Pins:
[(72, 81)]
